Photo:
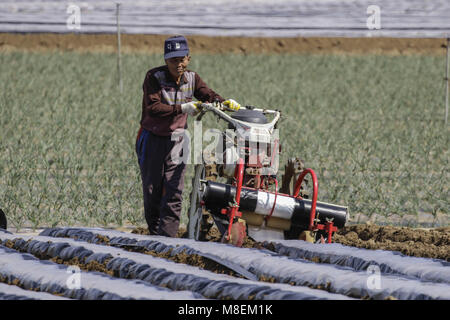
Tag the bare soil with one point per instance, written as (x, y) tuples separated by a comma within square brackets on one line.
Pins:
[(427, 243), (182, 231), (147, 43)]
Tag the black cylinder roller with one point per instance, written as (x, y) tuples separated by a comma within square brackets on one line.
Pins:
[(218, 195)]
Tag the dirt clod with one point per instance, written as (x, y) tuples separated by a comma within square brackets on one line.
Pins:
[(182, 231)]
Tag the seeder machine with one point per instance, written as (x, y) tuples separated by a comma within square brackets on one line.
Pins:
[(237, 190)]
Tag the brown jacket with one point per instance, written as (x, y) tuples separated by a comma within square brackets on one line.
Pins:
[(161, 104)]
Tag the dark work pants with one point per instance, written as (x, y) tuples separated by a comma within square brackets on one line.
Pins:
[(162, 182)]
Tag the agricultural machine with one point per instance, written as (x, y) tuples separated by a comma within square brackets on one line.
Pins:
[(237, 189)]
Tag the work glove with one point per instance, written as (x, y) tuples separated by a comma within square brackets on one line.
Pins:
[(231, 104), (191, 108)]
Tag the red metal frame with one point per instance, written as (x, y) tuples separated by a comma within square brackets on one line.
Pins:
[(233, 211), (274, 201), (313, 225), (297, 187)]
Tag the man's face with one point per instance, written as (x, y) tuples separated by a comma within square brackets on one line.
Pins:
[(178, 65)]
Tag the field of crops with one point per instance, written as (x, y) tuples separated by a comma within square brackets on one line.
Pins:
[(371, 126)]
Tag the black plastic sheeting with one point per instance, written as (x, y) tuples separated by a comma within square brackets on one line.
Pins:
[(30, 273), (152, 245), (6, 296), (341, 280), (433, 270), (128, 269), (29, 283), (12, 292)]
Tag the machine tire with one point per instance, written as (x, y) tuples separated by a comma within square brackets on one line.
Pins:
[(196, 210)]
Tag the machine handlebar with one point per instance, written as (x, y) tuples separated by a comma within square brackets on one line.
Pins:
[(219, 109), (222, 107)]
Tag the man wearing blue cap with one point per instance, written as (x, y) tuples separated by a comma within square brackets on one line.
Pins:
[(168, 100)]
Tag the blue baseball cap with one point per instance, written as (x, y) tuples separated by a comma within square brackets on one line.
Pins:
[(175, 47)]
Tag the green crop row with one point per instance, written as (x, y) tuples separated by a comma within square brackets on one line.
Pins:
[(370, 126)]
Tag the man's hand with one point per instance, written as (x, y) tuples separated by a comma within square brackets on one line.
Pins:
[(232, 105), (191, 108)]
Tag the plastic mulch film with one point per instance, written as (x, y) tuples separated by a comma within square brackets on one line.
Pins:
[(389, 262), (269, 265), (159, 271), (12, 292), (30, 273)]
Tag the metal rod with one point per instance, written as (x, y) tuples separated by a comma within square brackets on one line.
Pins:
[(446, 81), (119, 62)]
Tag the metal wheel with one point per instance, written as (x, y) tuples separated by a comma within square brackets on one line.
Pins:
[(196, 210)]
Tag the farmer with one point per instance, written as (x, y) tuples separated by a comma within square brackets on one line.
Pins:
[(168, 100)]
